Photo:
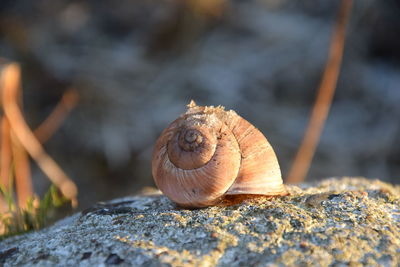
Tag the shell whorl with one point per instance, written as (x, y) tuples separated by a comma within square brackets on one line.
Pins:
[(194, 142), (208, 152)]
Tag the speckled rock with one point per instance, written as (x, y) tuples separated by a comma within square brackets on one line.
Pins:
[(346, 221)]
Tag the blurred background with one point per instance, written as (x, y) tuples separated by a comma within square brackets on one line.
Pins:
[(136, 64)]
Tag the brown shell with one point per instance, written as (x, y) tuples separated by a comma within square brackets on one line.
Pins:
[(208, 153)]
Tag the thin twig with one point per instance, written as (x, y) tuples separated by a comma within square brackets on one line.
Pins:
[(10, 81), (47, 128), (324, 99)]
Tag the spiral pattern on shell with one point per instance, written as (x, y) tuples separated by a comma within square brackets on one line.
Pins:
[(208, 153)]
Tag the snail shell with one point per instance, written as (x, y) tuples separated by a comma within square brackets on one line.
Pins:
[(209, 153)]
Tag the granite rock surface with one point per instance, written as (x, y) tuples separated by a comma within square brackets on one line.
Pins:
[(336, 222)]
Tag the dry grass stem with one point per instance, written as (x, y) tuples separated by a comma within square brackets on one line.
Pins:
[(10, 85), (23, 180), (5, 153), (5, 161), (68, 102), (324, 98)]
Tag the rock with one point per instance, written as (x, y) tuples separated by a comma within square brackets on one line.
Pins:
[(346, 221)]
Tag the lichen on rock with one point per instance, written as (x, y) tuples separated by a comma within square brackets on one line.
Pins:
[(336, 221)]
